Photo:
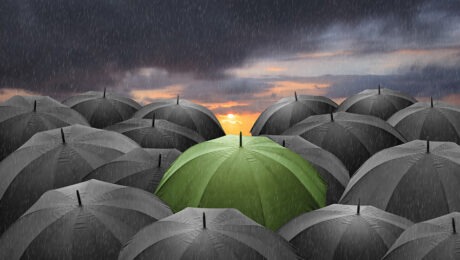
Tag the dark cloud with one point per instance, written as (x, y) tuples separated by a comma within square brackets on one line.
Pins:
[(75, 45)]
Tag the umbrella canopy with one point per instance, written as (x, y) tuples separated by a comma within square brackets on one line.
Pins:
[(413, 180), (344, 232), (351, 137), (53, 159), (433, 239), (381, 103), (329, 167), (267, 182), (186, 114), (102, 109), (436, 120), (89, 220), (23, 116), (289, 111), (157, 133), (140, 168), (206, 234)]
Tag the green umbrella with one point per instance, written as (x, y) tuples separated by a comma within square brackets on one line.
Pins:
[(265, 181)]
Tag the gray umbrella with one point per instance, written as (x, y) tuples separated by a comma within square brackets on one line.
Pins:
[(344, 232), (23, 116), (430, 240), (89, 220), (353, 138), (289, 111), (439, 121), (411, 180), (379, 102), (102, 109), (329, 167), (141, 168), (200, 233), (157, 133), (53, 159), (186, 114)]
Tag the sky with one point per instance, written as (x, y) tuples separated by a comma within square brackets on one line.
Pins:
[(234, 57)]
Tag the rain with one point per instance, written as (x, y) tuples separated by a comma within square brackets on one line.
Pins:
[(229, 129)]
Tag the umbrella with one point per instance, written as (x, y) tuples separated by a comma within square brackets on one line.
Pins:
[(329, 167), (289, 111), (89, 220), (186, 114), (351, 137), (381, 103), (140, 168), (102, 109), (439, 121), (23, 116), (267, 182), (344, 232), (432, 239), (53, 159), (157, 133), (413, 180), (206, 234)]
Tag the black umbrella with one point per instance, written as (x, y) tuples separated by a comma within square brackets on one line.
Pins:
[(102, 109), (89, 220), (381, 103), (140, 168), (329, 167), (344, 232), (53, 159), (430, 240), (157, 133), (439, 121), (412, 180), (200, 233), (351, 137), (289, 111), (23, 116), (186, 114)]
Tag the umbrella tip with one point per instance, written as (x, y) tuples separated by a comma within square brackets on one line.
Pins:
[(358, 210), (284, 143), (379, 89), (104, 93), (204, 220), (454, 229), (427, 144), (295, 95), (153, 120), (431, 101), (241, 139), (79, 199), (62, 136), (332, 117), (177, 100), (35, 105), (159, 160)]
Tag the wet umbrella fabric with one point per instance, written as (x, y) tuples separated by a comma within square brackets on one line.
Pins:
[(53, 159), (344, 232), (265, 181), (289, 111), (409, 181), (186, 114), (157, 133), (381, 103), (58, 227), (430, 240), (102, 109), (353, 138), (439, 122), (329, 167), (141, 168), (23, 116), (195, 233)]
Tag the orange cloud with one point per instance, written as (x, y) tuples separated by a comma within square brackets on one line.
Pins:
[(228, 104), (319, 55), (145, 96), (7, 93), (287, 88), (275, 69)]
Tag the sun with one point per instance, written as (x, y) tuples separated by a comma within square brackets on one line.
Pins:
[(230, 116)]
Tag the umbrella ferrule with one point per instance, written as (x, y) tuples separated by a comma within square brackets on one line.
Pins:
[(204, 220), (177, 100), (241, 139), (332, 117), (295, 95), (159, 160), (379, 89), (427, 144), (103, 95), (431, 101), (62, 136), (35, 105), (284, 143), (358, 209), (454, 229), (153, 120), (79, 199)]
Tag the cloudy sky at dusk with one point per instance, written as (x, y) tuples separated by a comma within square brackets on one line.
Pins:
[(235, 57)]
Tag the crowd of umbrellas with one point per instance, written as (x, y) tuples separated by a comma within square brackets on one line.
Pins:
[(99, 176)]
